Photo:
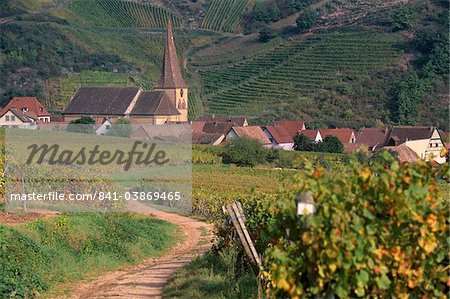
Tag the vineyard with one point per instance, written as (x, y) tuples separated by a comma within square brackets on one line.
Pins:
[(227, 15), (122, 14), (294, 70)]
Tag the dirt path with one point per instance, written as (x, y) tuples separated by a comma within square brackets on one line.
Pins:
[(148, 278)]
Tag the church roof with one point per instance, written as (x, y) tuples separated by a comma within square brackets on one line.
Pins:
[(170, 72), (154, 103), (101, 100)]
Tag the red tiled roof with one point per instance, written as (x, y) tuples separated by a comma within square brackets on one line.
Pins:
[(404, 153), (254, 132), (372, 136), (279, 134), (350, 148), (291, 126), (238, 121), (197, 126), (344, 135), (35, 108), (311, 134)]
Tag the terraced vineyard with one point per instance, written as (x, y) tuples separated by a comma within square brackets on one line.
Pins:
[(122, 14), (227, 15), (297, 69)]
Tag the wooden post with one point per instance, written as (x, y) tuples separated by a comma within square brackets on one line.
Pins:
[(238, 223), (240, 234), (247, 235)]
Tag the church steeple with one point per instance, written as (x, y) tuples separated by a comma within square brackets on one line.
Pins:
[(170, 71)]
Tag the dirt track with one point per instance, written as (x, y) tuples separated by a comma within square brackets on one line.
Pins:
[(148, 278)]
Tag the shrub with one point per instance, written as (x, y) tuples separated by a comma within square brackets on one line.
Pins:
[(266, 34), (302, 143), (378, 232), (83, 125), (245, 152), (307, 19)]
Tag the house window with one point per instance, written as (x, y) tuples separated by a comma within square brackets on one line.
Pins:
[(13, 118), (181, 92), (7, 118), (108, 127)]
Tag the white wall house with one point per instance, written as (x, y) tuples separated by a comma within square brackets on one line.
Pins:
[(104, 128), (13, 118)]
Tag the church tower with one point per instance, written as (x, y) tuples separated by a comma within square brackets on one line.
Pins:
[(171, 80)]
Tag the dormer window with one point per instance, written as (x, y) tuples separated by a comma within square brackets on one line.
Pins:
[(25, 109)]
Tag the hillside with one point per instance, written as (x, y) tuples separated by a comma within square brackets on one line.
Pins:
[(359, 63)]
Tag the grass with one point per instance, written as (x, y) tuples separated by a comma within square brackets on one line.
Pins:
[(49, 256), (212, 276)]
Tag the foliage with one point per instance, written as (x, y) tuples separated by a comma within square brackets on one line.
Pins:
[(331, 144), (302, 143), (85, 125), (266, 34), (35, 257), (402, 18), (245, 152), (204, 157), (410, 92), (376, 232), (121, 128), (307, 19)]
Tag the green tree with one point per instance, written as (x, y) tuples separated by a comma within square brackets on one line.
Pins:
[(332, 144), (83, 125), (245, 152), (307, 19), (402, 18), (266, 34), (302, 143), (409, 94), (121, 128)]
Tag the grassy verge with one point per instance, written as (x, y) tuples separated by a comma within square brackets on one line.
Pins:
[(213, 276), (47, 256)]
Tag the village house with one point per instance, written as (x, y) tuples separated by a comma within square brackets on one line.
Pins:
[(23, 112), (253, 132), (282, 139), (426, 142), (167, 103), (213, 129), (344, 135), (15, 118)]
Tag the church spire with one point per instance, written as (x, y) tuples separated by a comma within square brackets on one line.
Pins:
[(170, 71)]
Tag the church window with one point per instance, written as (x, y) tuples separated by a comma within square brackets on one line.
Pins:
[(181, 92)]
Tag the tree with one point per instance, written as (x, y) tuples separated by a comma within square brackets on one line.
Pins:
[(83, 125), (402, 18), (409, 93), (266, 34), (245, 152), (332, 144), (302, 143), (122, 128), (307, 19)]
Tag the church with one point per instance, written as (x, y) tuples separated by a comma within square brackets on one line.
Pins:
[(167, 103)]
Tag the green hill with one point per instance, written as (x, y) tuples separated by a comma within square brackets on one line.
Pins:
[(360, 62)]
